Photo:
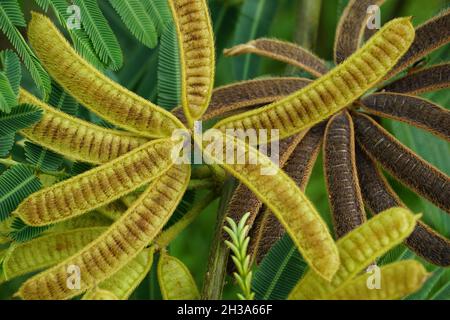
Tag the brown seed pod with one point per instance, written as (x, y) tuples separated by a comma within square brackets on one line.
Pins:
[(283, 51), (410, 109), (424, 80), (75, 138), (379, 196), (402, 163), (351, 28), (341, 177), (118, 245)]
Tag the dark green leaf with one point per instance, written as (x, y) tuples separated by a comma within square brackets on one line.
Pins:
[(42, 158), (22, 232), (20, 117)]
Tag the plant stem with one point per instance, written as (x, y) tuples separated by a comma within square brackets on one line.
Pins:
[(308, 17), (218, 257), (202, 184), (11, 162)]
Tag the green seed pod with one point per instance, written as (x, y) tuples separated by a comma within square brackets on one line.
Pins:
[(100, 294)]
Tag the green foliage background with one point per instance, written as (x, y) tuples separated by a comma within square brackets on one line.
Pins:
[(237, 21)]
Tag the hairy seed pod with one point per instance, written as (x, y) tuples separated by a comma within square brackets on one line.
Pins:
[(282, 51), (75, 138), (125, 281), (410, 109), (333, 91), (240, 96), (431, 35), (197, 55), (397, 280), (97, 187), (424, 80), (175, 280), (341, 177), (267, 230), (276, 190), (402, 163), (47, 250), (94, 90), (118, 245), (351, 28), (357, 250), (99, 294), (379, 196)]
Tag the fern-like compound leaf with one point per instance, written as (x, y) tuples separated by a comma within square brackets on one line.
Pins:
[(21, 117)]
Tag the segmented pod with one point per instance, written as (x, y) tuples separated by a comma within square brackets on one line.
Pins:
[(175, 280), (97, 187), (75, 138), (282, 51), (341, 177), (402, 163), (100, 294), (47, 250), (122, 283), (335, 90), (357, 250), (412, 110), (397, 280), (119, 244), (197, 55), (276, 190), (379, 196), (94, 90)]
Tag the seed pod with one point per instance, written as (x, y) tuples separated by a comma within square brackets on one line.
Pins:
[(118, 245), (197, 55), (175, 280), (75, 138), (99, 294), (341, 177), (379, 196), (402, 163), (97, 187), (122, 283), (351, 28), (424, 80), (276, 190), (397, 281), (282, 51), (113, 210), (47, 250), (88, 220), (335, 90), (412, 110), (357, 250), (93, 89)]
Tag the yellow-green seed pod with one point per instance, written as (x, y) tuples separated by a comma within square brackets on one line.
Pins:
[(357, 249), (281, 194), (122, 283), (396, 281), (120, 244), (75, 138), (97, 187), (100, 294), (196, 42), (175, 280), (92, 88), (335, 90), (47, 250)]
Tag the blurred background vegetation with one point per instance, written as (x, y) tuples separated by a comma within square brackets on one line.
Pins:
[(238, 21)]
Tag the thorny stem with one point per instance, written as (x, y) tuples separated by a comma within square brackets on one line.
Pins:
[(218, 257), (58, 174)]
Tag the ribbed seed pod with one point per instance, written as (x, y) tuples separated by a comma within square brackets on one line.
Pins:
[(397, 280), (175, 280), (196, 41), (402, 163), (94, 90), (276, 190), (97, 187), (118, 245), (283, 51), (335, 90), (47, 250), (357, 250), (122, 283), (412, 110), (379, 196), (75, 138), (341, 177), (100, 294)]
